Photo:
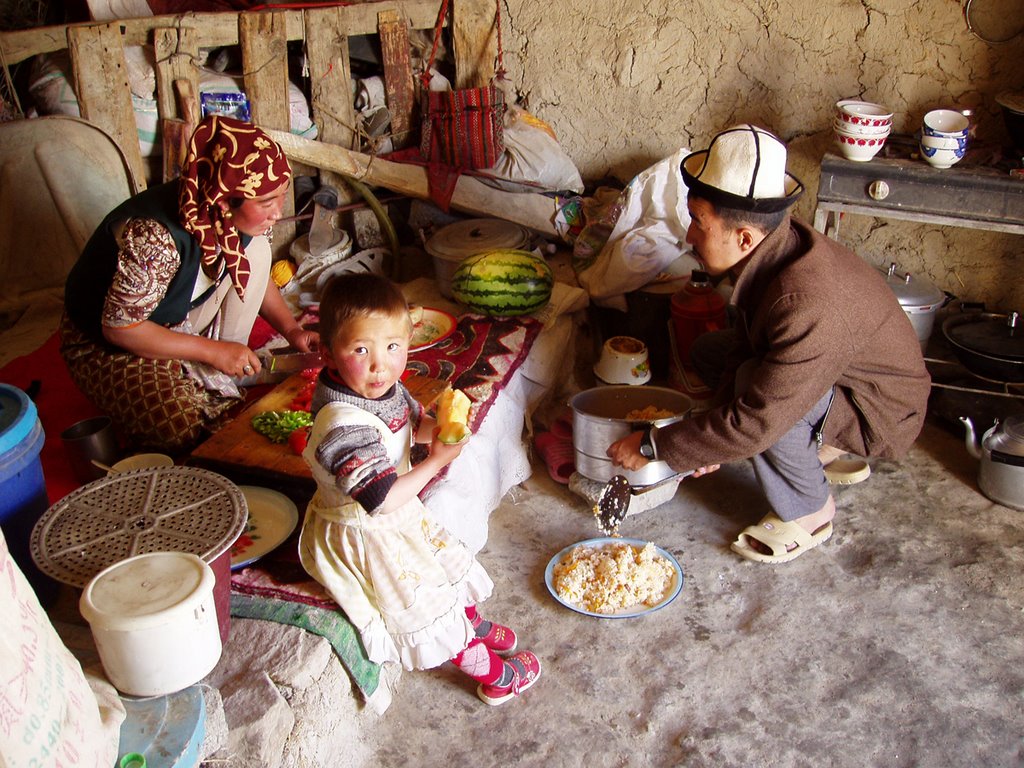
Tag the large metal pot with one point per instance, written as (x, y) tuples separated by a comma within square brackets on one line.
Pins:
[(919, 299), (599, 419), (989, 345), (1001, 456)]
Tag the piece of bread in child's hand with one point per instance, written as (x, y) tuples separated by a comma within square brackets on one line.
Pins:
[(453, 416), (415, 313)]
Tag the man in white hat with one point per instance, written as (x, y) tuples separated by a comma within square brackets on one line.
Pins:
[(823, 356)]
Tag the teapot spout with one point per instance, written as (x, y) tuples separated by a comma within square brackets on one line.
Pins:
[(970, 439)]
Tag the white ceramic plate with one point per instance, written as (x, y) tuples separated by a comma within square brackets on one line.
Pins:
[(434, 326), (671, 593), (272, 518)]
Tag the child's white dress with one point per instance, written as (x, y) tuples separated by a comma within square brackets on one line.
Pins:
[(402, 579)]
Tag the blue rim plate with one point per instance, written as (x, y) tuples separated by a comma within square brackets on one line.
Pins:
[(671, 595)]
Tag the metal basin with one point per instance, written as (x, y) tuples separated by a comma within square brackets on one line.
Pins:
[(599, 419)]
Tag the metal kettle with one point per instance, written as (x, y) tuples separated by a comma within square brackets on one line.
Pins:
[(1001, 455)]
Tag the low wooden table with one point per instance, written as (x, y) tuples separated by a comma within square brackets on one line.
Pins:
[(243, 455)]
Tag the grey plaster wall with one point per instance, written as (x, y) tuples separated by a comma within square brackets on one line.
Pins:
[(626, 82)]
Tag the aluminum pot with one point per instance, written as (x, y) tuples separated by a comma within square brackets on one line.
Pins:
[(599, 419), (1001, 456), (919, 299), (989, 345)]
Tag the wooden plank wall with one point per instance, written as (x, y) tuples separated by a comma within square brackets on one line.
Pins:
[(100, 72)]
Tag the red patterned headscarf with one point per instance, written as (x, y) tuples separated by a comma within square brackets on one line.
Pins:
[(226, 159)]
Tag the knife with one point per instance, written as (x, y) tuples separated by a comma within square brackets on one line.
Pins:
[(279, 364)]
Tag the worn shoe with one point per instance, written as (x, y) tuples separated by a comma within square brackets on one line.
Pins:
[(847, 471), (525, 672), (499, 638)]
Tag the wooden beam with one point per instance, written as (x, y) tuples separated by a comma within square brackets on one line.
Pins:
[(213, 29), (529, 209), (104, 97)]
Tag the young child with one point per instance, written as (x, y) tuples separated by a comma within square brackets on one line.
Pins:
[(407, 584)]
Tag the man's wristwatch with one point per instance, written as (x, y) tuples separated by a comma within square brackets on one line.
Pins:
[(647, 447)]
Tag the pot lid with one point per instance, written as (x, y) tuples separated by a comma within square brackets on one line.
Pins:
[(1008, 437), (912, 291), (467, 238), (998, 336)]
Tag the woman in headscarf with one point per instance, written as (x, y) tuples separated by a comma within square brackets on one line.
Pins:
[(160, 305)]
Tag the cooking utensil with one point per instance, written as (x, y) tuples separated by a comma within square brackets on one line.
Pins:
[(989, 345), (1001, 456), (612, 505), (278, 365), (919, 299), (599, 419)]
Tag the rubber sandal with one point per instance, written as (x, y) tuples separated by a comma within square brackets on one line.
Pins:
[(562, 426), (778, 535), (558, 454), (847, 471)]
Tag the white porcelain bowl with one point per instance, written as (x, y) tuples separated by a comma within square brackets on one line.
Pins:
[(861, 130), (859, 148), (623, 361), (945, 122), (944, 142), (863, 112), (941, 158)]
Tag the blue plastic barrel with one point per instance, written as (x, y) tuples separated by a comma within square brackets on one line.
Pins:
[(22, 488)]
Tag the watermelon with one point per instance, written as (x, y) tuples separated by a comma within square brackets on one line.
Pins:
[(503, 282)]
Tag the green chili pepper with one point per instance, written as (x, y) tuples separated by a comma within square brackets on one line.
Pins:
[(276, 426)]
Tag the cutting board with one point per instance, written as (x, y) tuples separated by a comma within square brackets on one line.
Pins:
[(237, 446), (239, 451)]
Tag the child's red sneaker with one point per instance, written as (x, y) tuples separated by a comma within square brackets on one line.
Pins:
[(499, 638), (525, 668)]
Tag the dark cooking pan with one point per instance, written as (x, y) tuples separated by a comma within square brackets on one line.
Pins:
[(989, 345)]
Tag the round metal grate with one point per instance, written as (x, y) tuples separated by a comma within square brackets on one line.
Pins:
[(157, 509)]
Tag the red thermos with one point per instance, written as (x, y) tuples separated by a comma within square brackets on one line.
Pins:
[(696, 309)]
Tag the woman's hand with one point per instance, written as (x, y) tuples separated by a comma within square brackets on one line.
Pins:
[(302, 339), (234, 359)]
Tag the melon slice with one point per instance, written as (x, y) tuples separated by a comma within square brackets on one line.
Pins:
[(453, 416)]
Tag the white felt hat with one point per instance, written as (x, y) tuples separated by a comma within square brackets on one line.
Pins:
[(744, 168)]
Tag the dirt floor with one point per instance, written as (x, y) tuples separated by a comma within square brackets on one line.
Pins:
[(896, 643)]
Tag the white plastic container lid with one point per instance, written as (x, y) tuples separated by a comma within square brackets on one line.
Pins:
[(457, 242), (145, 591)]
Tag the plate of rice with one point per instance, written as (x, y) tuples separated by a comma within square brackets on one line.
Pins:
[(613, 577)]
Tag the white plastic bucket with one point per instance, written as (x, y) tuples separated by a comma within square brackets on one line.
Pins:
[(154, 622)]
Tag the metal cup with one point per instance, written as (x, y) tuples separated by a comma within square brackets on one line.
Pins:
[(87, 441)]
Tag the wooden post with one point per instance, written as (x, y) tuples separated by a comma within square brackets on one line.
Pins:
[(101, 84), (398, 85), (176, 51), (264, 40), (475, 41)]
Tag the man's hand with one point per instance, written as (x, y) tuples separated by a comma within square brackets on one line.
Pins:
[(625, 453), (699, 471)]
